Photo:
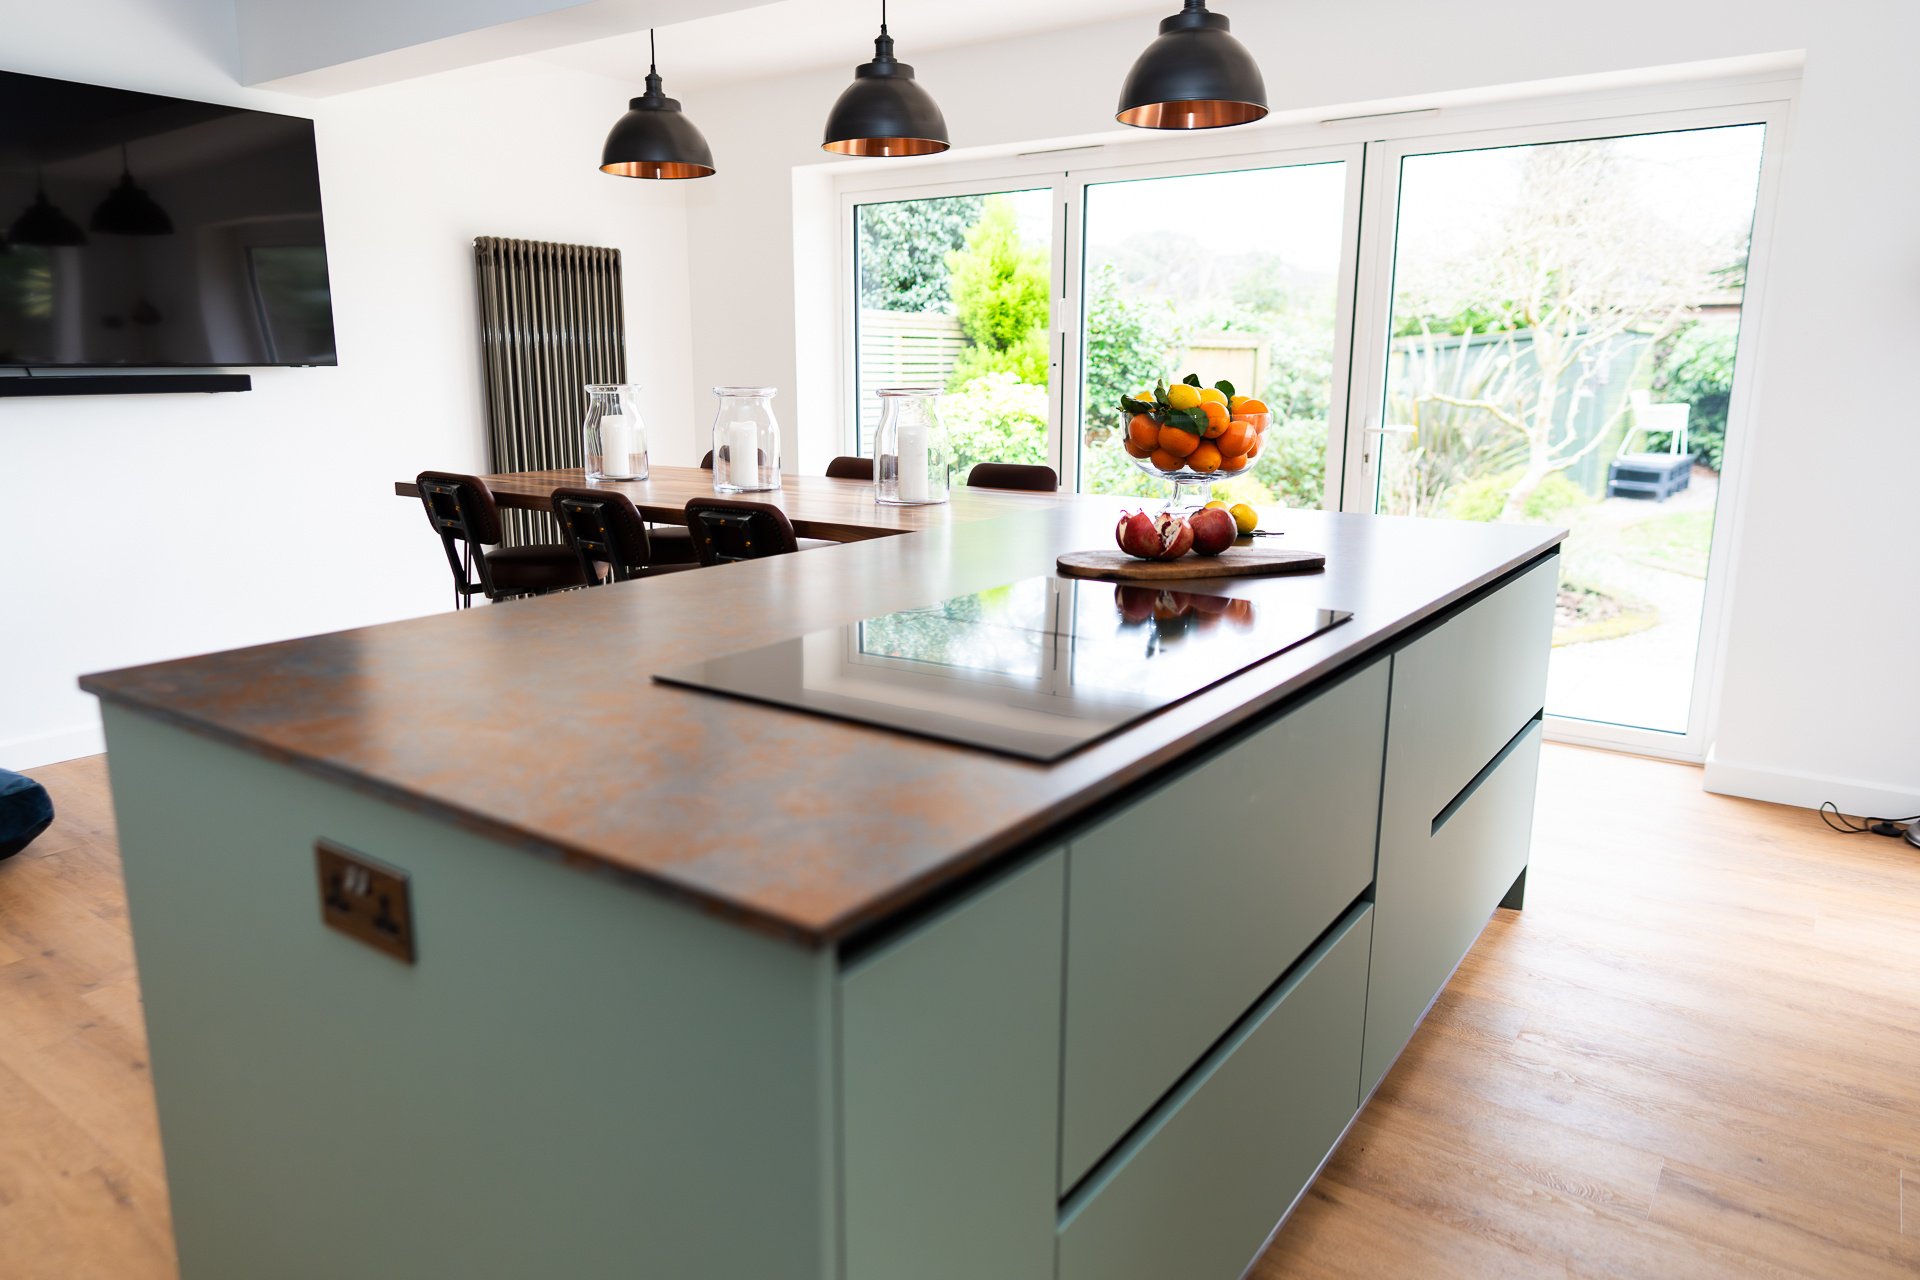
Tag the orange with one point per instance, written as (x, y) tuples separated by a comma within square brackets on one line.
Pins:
[(1260, 421), (1249, 408), (1233, 462), (1217, 417), (1235, 439), (1253, 450), (1204, 458), (1177, 442), (1143, 431), (1135, 450), (1165, 461)]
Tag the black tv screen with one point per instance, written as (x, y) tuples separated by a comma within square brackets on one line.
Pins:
[(141, 231)]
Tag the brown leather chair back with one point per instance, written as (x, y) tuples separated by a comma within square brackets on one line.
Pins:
[(725, 531), (848, 468), (461, 509), (1013, 475), (603, 527)]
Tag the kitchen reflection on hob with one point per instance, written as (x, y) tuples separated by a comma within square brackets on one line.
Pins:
[(1038, 668)]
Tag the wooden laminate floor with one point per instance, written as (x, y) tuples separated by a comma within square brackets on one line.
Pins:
[(1696, 1053)]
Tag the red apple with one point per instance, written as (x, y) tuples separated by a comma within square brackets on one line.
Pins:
[(1213, 531)]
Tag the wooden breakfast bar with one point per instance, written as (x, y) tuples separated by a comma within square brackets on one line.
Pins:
[(696, 987)]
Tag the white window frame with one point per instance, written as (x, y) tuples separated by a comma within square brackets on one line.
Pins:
[(1769, 98)]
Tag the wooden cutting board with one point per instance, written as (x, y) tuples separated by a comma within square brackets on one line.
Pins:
[(1234, 562)]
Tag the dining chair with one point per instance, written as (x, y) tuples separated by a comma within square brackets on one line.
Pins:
[(462, 509), (609, 536), (725, 530), (706, 463), (849, 468), (1013, 475)]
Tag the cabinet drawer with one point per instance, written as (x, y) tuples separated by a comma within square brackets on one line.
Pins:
[(1187, 905), (1227, 1155), (1438, 886), (1461, 692)]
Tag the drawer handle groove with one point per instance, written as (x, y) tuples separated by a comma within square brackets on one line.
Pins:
[(1473, 783), (1083, 1192)]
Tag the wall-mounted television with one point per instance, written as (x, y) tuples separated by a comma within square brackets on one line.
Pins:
[(138, 231)]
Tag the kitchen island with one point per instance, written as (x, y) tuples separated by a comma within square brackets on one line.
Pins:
[(695, 987)]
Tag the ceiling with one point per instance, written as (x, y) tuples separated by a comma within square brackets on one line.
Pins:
[(803, 35)]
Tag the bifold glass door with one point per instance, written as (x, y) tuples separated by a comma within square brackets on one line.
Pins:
[(1542, 322), (1554, 331), (1242, 275)]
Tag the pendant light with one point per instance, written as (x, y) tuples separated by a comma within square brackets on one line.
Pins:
[(128, 210), (654, 139), (1194, 76), (884, 112), (43, 224)]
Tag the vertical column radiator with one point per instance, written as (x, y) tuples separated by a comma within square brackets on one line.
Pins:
[(550, 323)]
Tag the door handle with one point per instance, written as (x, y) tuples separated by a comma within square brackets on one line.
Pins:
[(1375, 429)]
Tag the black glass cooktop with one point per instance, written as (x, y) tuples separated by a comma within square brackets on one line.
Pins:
[(1038, 668)]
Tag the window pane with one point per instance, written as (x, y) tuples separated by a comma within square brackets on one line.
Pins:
[(955, 292), (1228, 275), (1564, 323)]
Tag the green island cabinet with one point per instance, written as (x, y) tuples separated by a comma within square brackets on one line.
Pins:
[(1122, 1056)]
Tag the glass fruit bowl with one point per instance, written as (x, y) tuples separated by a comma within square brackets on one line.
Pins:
[(1191, 462)]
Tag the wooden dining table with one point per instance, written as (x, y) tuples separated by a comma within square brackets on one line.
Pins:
[(831, 510)]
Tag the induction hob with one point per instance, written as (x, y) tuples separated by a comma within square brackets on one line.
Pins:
[(1038, 668)]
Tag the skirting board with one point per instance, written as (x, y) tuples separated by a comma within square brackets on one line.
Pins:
[(1810, 790), (52, 748)]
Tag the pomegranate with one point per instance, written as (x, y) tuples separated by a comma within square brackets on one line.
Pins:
[(1213, 531), (1136, 536), (1176, 536)]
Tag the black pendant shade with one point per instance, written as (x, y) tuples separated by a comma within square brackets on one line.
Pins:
[(43, 225), (1194, 76), (128, 210), (654, 139), (884, 112)]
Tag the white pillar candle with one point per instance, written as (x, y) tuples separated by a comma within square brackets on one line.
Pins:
[(616, 446), (743, 443), (913, 463)]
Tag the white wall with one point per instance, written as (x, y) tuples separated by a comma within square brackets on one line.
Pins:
[(1820, 684), (156, 565)]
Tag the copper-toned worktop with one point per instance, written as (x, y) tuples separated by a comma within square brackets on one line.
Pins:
[(537, 723)]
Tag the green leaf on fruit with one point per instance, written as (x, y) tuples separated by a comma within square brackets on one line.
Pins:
[(1192, 379), (1224, 387), (1131, 406)]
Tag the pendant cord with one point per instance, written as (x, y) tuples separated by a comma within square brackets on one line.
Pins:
[(883, 17), (653, 56)]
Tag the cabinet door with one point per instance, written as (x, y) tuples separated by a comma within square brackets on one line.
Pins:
[(1200, 1187), (1189, 903), (950, 1088), (1456, 804)]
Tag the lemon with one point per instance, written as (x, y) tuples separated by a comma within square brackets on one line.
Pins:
[(1182, 396), (1214, 394), (1217, 505), (1145, 397), (1237, 401), (1245, 518)]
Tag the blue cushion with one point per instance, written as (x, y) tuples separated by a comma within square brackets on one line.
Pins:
[(25, 811)]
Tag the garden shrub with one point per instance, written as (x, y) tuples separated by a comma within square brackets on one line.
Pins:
[(1484, 498)]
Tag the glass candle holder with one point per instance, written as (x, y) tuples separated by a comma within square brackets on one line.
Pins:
[(911, 452), (746, 441), (614, 444)]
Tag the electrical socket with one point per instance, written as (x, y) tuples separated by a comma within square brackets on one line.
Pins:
[(365, 899)]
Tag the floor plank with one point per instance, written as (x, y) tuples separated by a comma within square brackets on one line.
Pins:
[(1693, 1054)]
